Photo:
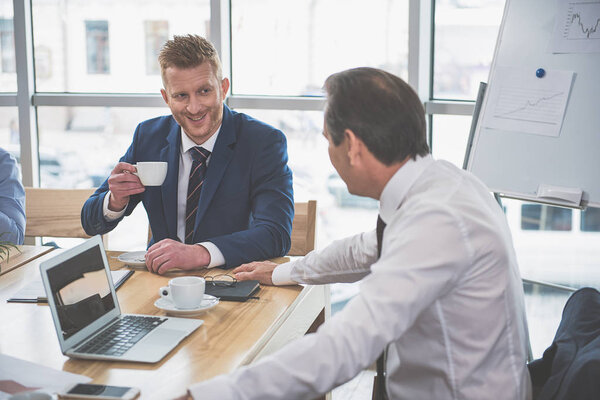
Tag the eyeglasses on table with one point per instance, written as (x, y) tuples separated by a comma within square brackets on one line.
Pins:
[(221, 280)]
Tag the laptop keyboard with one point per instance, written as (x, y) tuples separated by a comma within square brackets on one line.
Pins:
[(121, 335)]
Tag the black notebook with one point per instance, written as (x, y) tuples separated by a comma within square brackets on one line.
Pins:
[(240, 291)]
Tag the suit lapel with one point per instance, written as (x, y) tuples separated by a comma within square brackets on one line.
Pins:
[(170, 154), (220, 158)]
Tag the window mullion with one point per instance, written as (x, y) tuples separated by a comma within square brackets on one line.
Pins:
[(25, 90)]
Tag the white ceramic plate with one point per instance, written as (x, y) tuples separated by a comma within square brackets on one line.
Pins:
[(166, 305), (133, 258)]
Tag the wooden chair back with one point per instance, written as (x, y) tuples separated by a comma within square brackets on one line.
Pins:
[(55, 212), (303, 228)]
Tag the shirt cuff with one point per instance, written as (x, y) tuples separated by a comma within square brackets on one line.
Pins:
[(282, 274), (216, 257), (110, 215)]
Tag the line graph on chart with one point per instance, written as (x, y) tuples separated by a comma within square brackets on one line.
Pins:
[(577, 27), (532, 105), (582, 21), (518, 101)]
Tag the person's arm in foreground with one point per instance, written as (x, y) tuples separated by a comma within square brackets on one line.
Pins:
[(12, 201), (385, 308), (345, 260)]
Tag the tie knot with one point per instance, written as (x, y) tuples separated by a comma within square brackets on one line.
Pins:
[(199, 153)]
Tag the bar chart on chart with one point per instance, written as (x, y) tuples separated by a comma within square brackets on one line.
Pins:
[(577, 28)]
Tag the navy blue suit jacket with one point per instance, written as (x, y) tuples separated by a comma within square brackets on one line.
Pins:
[(246, 205)]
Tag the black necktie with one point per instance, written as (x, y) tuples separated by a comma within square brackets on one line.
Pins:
[(379, 383), (379, 231), (197, 174)]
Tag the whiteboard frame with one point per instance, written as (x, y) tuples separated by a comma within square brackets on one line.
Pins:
[(504, 164)]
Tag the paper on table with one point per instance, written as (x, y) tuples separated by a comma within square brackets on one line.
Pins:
[(16, 373), (577, 28), (519, 101), (34, 291)]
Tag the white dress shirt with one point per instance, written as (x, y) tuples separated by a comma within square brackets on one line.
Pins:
[(185, 165), (445, 295)]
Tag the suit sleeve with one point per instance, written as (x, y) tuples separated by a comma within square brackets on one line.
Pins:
[(272, 208), (92, 216), (12, 202)]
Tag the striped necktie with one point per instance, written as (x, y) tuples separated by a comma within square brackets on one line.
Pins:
[(379, 392), (197, 174)]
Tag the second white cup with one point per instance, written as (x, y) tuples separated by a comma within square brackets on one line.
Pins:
[(185, 292), (151, 173)]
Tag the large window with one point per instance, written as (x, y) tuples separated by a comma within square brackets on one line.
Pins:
[(108, 46), (465, 36), (590, 220), (9, 129), (450, 134), (8, 76), (157, 33), (7, 46), (292, 51), (79, 146), (538, 217), (98, 54)]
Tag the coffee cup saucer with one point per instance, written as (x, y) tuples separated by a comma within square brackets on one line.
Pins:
[(133, 258), (167, 305)]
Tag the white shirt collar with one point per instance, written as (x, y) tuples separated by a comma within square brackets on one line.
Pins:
[(397, 187), (187, 143)]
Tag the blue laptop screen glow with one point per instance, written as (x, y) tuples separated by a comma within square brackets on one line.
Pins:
[(81, 291)]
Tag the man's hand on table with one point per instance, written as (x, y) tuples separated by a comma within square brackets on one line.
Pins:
[(262, 271), (168, 254)]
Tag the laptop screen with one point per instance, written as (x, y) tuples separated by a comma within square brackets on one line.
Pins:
[(80, 289)]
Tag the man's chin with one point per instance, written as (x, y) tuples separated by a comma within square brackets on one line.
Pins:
[(196, 136)]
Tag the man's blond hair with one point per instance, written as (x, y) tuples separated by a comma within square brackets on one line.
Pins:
[(189, 51)]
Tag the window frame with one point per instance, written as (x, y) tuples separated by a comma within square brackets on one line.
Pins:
[(27, 99)]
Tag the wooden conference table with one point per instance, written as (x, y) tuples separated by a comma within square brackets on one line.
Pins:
[(23, 255), (233, 334)]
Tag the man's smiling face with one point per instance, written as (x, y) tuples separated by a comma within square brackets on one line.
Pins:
[(195, 97)]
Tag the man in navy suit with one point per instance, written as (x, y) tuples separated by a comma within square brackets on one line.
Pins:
[(245, 206)]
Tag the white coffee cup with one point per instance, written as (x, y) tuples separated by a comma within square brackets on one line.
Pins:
[(185, 292), (151, 173)]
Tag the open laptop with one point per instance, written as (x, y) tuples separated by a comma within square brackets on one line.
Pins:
[(86, 312)]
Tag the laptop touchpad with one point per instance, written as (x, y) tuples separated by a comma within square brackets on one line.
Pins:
[(163, 337)]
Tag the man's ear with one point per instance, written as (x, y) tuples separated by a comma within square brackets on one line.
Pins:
[(224, 87), (354, 147), (164, 96)]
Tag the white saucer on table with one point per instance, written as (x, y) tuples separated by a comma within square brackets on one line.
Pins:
[(167, 305), (133, 258)]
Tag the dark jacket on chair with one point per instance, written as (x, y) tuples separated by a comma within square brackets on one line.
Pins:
[(570, 367)]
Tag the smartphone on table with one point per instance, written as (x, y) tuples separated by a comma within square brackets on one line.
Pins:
[(99, 392)]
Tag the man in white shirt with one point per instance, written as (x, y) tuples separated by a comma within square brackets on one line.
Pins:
[(445, 296)]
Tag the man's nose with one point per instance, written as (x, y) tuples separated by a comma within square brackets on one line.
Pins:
[(194, 105)]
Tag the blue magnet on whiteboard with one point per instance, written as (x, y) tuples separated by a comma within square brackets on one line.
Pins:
[(540, 72)]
